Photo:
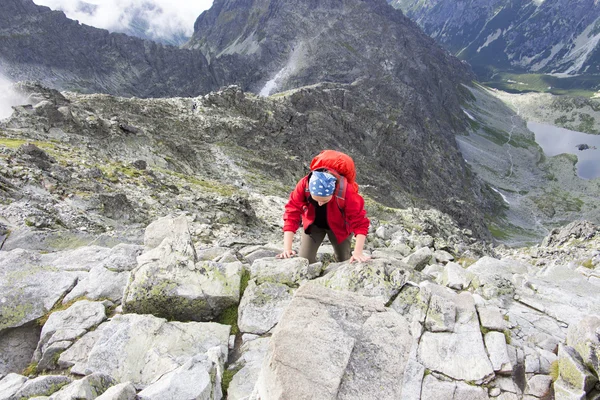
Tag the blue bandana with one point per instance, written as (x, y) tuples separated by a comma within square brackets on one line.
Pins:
[(321, 184)]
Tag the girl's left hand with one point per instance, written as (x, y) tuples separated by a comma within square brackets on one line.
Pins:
[(359, 257)]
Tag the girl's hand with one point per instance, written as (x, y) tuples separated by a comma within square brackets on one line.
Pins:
[(360, 257), (286, 254)]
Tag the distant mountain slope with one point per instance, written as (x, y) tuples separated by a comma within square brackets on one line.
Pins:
[(548, 36), (40, 44)]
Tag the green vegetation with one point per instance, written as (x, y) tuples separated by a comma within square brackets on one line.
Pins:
[(466, 262), (230, 315), (554, 371), (523, 83), (59, 306), (227, 377), (588, 264), (507, 336), (31, 369)]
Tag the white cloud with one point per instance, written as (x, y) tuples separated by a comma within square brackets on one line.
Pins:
[(8, 97), (165, 18)]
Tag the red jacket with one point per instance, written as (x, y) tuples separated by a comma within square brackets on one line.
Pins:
[(299, 209)]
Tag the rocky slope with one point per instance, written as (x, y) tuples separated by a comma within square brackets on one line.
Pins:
[(539, 192), (551, 36)]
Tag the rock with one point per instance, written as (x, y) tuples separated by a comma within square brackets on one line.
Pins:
[(117, 207), (141, 348), (67, 326), (412, 381), (493, 278), (459, 354), (539, 386), (435, 389), (169, 283), (17, 346), (122, 391), (442, 256), (164, 227), (44, 385), (455, 277), (563, 391), (419, 259), (291, 272), (176, 384), (261, 306), (441, 314), (263, 252), (28, 288), (491, 318), (99, 284), (76, 355), (302, 339), (584, 337), (10, 384), (495, 343), (211, 253), (583, 230), (253, 354), (379, 278), (88, 388), (572, 371)]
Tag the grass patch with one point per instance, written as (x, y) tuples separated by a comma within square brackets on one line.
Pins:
[(554, 371), (584, 86), (588, 264), (227, 377), (507, 336), (31, 369), (466, 262)]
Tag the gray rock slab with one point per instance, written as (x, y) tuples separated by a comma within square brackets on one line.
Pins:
[(243, 382), (539, 386), (87, 388), (442, 256), (141, 348), (100, 283), (10, 384), (320, 327), (76, 355), (585, 338), (435, 389), (120, 258), (378, 359), (162, 228), (29, 288), (44, 385), (419, 259), (494, 277), (70, 324), (491, 318), (572, 370), (262, 305), (412, 381), (169, 283), (177, 383), (379, 278), (563, 391), (441, 314), (459, 354), (495, 343), (122, 391), (465, 391), (261, 253), (211, 253), (17, 346), (455, 277), (290, 271)]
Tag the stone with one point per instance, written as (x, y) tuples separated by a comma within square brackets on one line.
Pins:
[(28, 288), (572, 370), (100, 283), (442, 256), (17, 346), (68, 325), (419, 259), (441, 314), (585, 338), (251, 359), (162, 228), (539, 386), (495, 343), (412, 381), (491, 318), (211, 253), (44, 385), (435, 389), (122, 391), (303, 339), (87, 388), (563, 391), (379, 278), (76, 355), (465, 391), (455, 277), (10, 384), (261, 253), (141, 348), (291, 271), (169, 283), (262, 305), (459, 354), (176, 384)]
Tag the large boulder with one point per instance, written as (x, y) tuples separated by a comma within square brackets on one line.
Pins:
[(142, 348), (17, 346), (262, 305), (359, 346), (169, 283)]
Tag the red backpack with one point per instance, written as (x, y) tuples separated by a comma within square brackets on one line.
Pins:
[(339, 165)]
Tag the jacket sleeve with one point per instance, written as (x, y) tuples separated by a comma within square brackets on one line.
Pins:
[(356, 215), (294, 208)]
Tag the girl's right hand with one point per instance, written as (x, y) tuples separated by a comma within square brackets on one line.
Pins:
[(286, 254)]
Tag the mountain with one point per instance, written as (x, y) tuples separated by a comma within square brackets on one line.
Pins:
[(44, 45), (388, 95), (550, 36)]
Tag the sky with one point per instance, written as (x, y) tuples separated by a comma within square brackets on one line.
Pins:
[(166, 17)]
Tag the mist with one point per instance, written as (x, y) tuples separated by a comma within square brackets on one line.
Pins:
[(161, 20), (8, 97)]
